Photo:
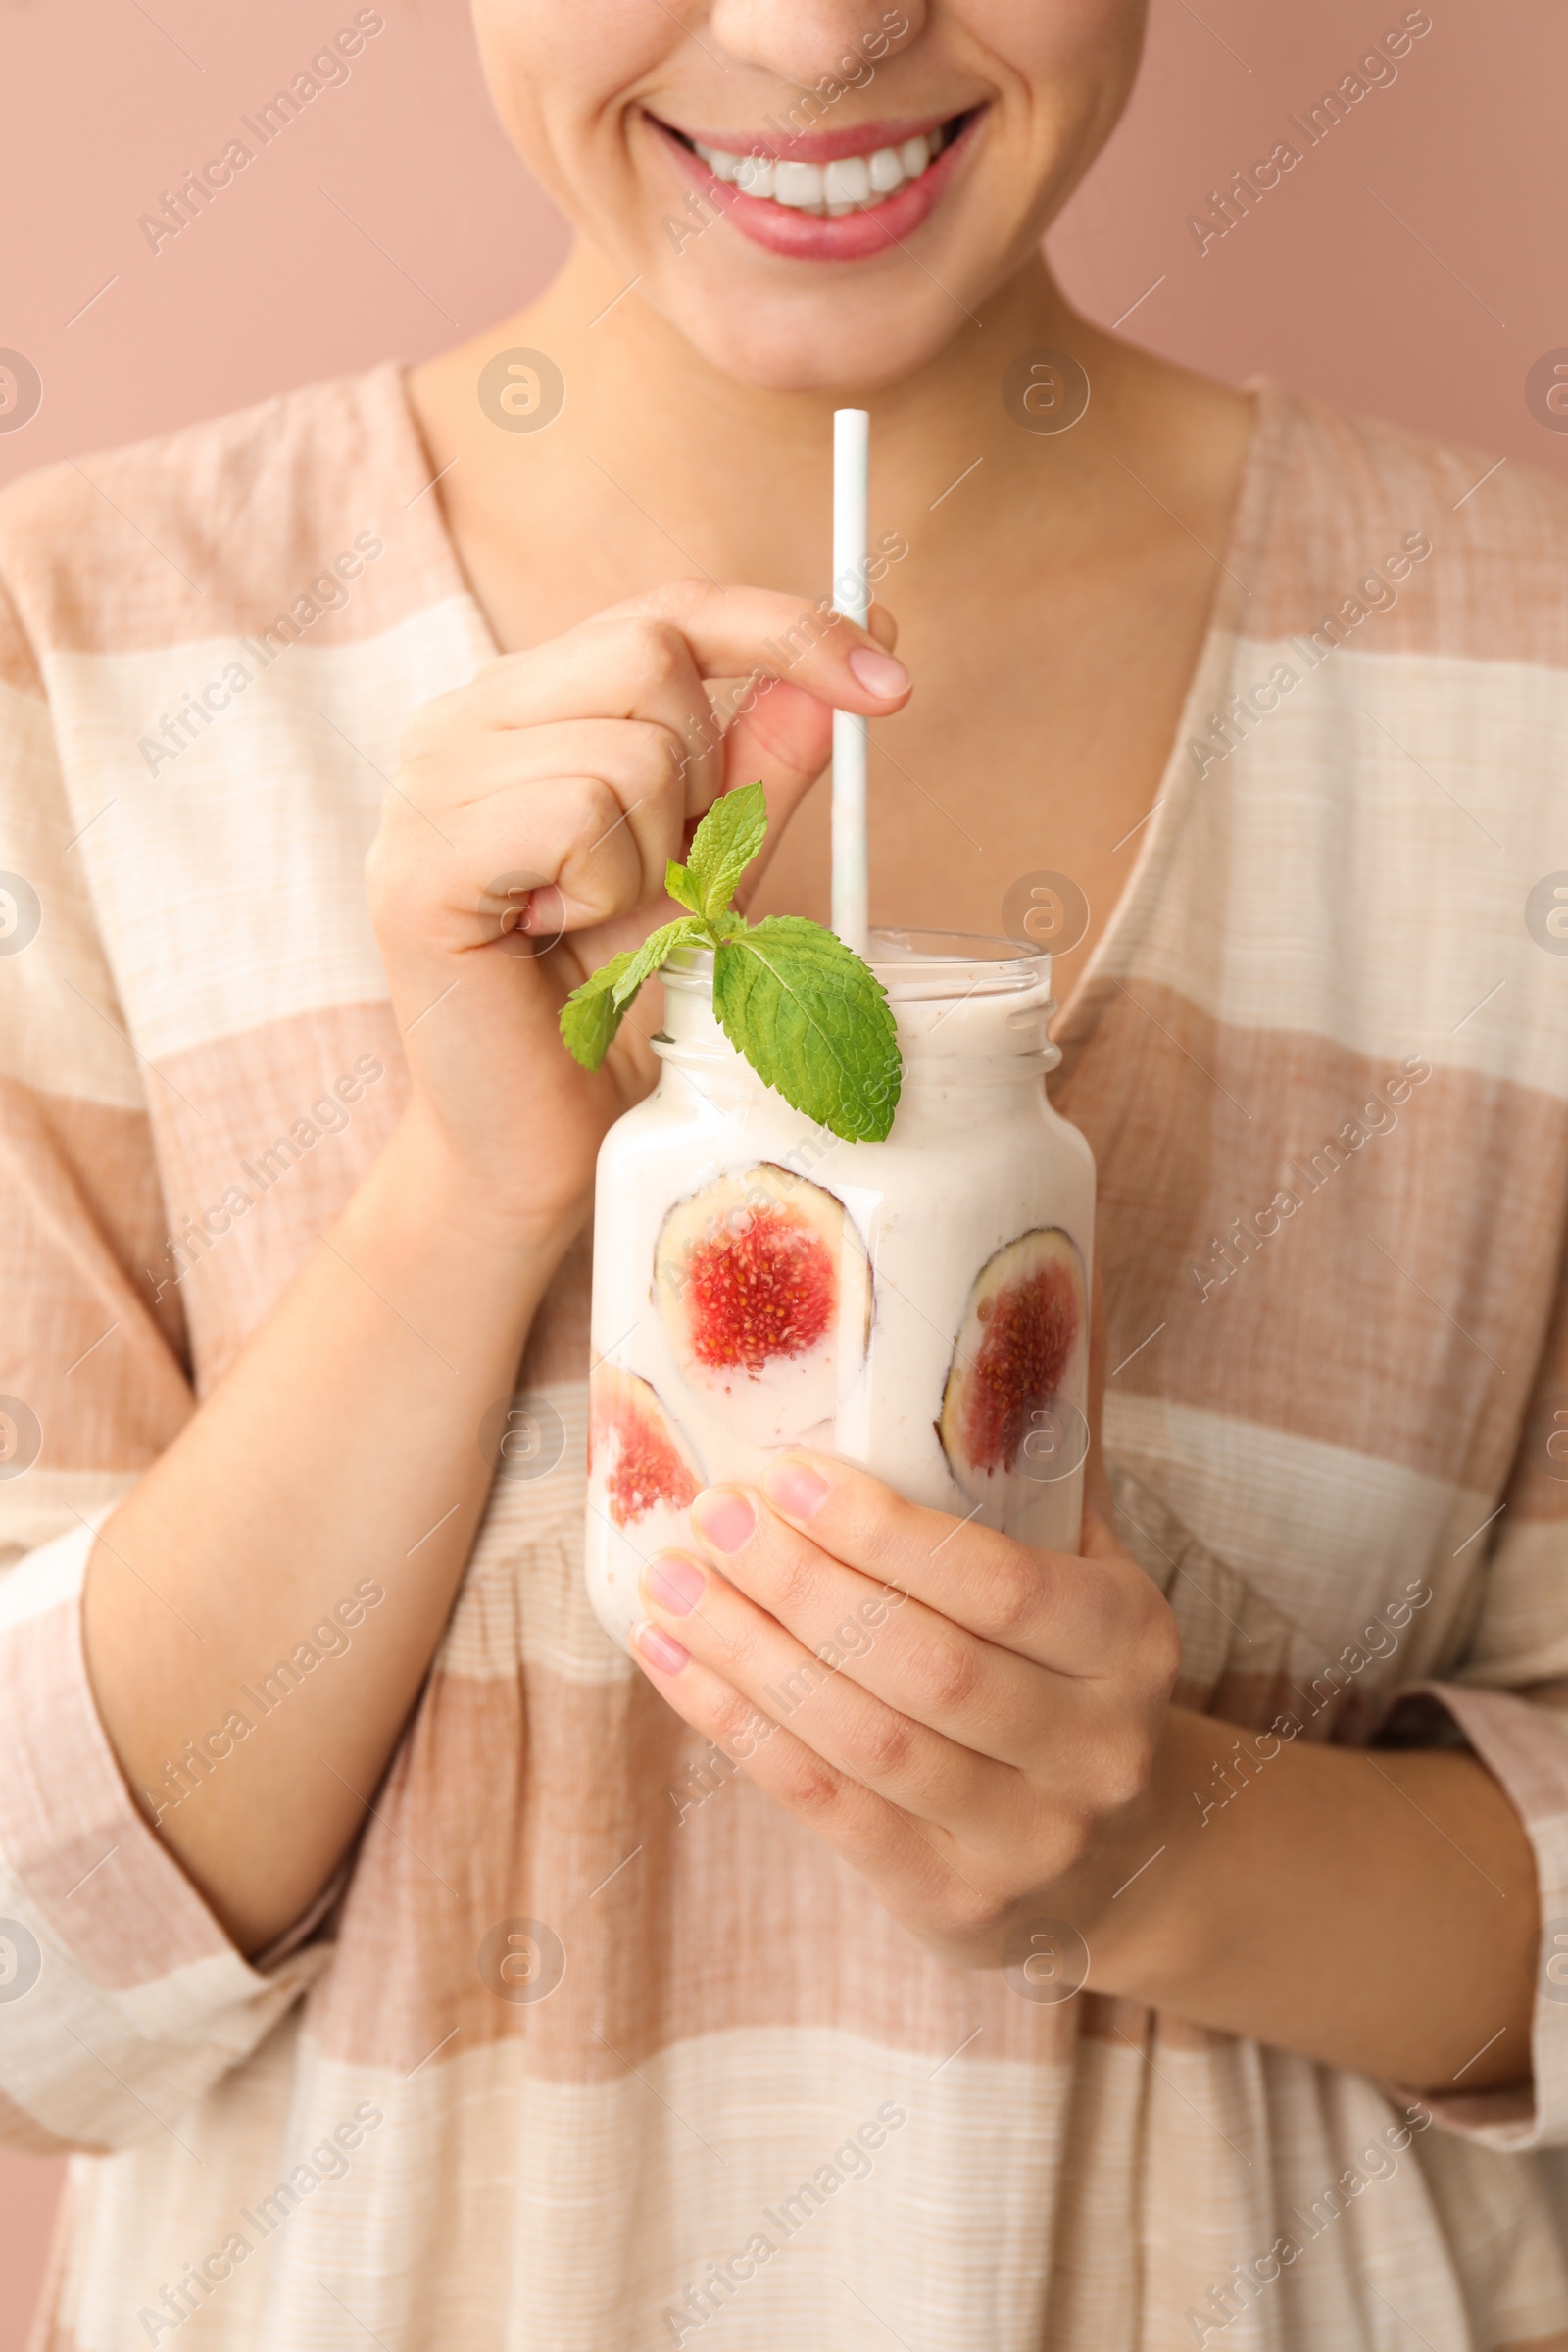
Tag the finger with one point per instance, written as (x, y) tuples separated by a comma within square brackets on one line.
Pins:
[(786, 665), (566, 839), (909, 1866), (639, 763), (739, 632), (613, 667), (646, 659), (784, 738), (789, 665), (1076, 1615), (776, 730), (780, 725), (905, 1761), (981, 1697)]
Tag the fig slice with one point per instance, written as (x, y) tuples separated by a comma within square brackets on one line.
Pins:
[(643, 1478), (639, 1464), (765, 1290), (1022, 1344)]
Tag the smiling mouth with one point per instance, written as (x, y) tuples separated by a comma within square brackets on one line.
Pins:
[(857, 182)]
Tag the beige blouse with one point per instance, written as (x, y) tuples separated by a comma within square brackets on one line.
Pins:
[(1320, 1055)]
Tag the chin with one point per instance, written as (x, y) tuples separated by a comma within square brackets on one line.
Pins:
[(835, 340), (841, 296)]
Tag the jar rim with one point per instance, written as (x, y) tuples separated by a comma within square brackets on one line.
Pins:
[(914, 962)]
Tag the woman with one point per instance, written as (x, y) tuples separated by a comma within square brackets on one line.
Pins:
[(408, 1963)]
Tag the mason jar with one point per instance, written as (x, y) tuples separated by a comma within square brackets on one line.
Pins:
[(919, 1305)]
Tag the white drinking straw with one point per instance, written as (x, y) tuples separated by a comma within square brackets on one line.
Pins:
[(852, 596)]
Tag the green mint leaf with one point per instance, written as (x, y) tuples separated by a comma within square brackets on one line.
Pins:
[(682, 886), (655, 950), (724, 847), (814, 1022), (592, 1013), (590, 1016)]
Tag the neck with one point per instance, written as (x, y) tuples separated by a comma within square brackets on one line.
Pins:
[(738, 477)]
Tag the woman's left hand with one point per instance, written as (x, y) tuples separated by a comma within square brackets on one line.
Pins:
[(972, 1724)]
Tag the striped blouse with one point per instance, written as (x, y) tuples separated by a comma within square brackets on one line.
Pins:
[(722, 2098)]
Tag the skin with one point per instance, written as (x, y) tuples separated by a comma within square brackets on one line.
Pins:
[(1007, 1747)]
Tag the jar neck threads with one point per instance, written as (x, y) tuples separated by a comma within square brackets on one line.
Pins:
[(971, 1013)]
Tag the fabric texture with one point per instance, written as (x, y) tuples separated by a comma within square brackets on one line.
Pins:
[(1322, 1057)]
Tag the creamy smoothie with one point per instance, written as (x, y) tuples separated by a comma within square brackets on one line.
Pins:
[(918, 1304)]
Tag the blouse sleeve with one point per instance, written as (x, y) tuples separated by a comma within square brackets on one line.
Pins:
[(1508, 1700), (121, 1997)]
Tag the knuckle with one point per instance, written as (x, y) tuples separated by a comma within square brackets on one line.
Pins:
[(665, 759), (794, 1582), (673, 604), (1159, 1648), (1012, 1599), (814, 1789), (731, 1721), (743, 1655), (969, 1915), (1125, 1761), (595, 812), (881, 1746), (1071, 1841), (655, 654), (944, 1669), (885, 1532)]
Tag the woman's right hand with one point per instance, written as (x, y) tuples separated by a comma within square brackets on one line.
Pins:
[(525, 840)]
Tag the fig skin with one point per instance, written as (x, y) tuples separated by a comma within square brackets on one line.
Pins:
[(1020, 1346)]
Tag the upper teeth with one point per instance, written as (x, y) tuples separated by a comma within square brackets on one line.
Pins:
[(852, 183)]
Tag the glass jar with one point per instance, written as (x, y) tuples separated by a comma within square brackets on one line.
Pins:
[(919, 1305)]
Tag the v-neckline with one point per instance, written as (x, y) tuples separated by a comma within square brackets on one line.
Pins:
[(1245, 539)]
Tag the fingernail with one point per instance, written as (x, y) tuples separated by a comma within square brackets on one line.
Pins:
[(727, 1520), (675, 1584), (659, 1649), (795, 1489), (878, 672)]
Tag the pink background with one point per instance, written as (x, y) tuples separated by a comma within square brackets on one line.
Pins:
[(1409, 265)]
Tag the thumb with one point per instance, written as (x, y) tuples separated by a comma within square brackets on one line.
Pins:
[(785, 738), (783, 735)]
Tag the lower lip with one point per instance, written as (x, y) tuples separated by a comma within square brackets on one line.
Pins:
[(813, 236)]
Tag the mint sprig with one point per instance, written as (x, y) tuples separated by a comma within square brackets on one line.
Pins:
[(812, 1020)]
